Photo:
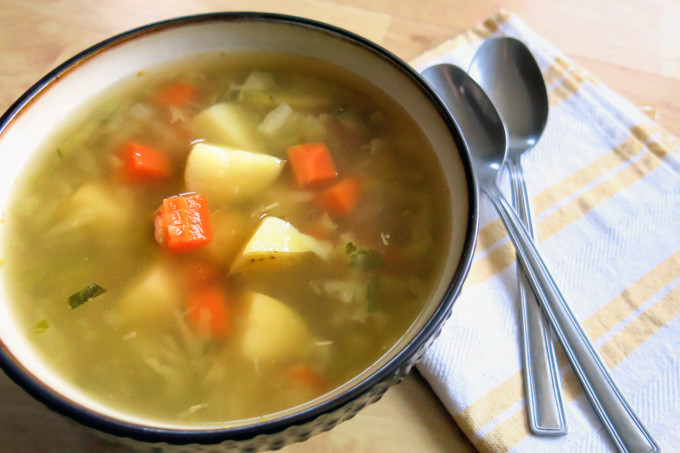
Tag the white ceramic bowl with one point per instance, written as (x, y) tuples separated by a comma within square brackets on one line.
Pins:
[(64, 90)]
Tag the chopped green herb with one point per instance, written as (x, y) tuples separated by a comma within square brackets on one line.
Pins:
[(366, 259), (59, 153), (108, 116), (350, 248), (41, 326), (372, 294), (85, 294)]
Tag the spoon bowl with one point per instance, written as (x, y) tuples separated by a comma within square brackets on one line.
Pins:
[(480, 124), (508, 73), (481, 129)]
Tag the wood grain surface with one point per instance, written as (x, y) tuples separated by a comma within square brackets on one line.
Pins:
[(631, 45)]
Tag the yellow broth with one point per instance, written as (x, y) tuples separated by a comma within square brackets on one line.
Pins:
[(73, 222)]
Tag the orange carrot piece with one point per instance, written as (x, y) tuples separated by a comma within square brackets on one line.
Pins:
[(322, 228), (208, 312), (305, 375), (312, 163), (183, 223), (177, 95), (199, 274), (143, 163), (340, 199), (317, 230)]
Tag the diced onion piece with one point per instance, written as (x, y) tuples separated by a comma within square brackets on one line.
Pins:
[(258, 81), (275, 119)]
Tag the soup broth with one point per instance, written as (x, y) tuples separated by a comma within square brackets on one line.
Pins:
[(226, 238)]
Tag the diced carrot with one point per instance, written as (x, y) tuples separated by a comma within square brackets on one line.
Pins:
[(322, 228), (176, 95), (304, 374), (199, 274), (312, 163), (395, 263), (317, 230), (208, 312), (183, 223), (143, 163), (340, 199)]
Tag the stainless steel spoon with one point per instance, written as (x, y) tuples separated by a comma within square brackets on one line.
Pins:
[(485, 137), (510, 76)]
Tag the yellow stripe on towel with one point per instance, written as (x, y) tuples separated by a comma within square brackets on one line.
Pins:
[(560, 205), (504, 256), (511, 431), (511, 391), (494, 231)]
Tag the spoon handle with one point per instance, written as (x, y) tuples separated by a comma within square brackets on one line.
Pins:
[(621, 423), (541, 373)]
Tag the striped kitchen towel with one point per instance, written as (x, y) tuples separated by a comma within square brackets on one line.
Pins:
[(604, 183)]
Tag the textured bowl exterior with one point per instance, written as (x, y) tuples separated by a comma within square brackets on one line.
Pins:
[(274, 434), (291, 434), (270, 441)]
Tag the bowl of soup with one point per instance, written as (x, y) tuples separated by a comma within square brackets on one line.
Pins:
[(234, 229)]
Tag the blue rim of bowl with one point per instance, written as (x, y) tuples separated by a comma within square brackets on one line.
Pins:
[(106, 424)]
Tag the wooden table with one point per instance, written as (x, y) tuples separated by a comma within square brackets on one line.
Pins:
[(631, 45)]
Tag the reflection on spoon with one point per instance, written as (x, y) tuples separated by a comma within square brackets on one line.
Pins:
[(510, 76), (485, 136)]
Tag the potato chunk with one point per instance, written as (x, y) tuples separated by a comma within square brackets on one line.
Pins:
[(271, 329), (275, 240), (230, 230), (151, 298), (227, 124), (226, 175), (98, 208)]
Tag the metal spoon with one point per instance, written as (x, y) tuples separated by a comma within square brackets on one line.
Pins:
[(510, 76), (485, 137)]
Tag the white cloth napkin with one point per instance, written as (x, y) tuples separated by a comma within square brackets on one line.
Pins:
[(604, 183)]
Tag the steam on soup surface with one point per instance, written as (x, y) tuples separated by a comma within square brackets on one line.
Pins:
[(226, 238)]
